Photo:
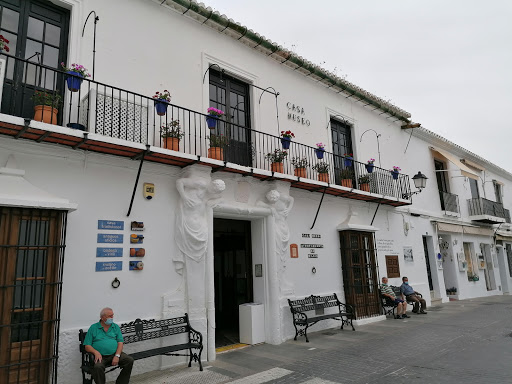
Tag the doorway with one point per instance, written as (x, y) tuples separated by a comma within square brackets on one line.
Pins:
[(232, 276)]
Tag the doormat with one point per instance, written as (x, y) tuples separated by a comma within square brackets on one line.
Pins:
[(230, 347)]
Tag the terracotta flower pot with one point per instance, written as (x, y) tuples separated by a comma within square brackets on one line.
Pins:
[(346, 183), (46, 114), (172, 143), (323, 177), (365, 187), (277, 167), (300, 172), (216, 153)]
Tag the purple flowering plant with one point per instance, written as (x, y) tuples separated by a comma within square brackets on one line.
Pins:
[(371, 161), (320, 146), (78, 68), (396, 168), (215, 111)]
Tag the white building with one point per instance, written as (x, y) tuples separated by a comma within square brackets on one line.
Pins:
[(217, 233)]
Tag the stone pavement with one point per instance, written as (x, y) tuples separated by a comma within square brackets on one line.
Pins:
[(466, 341)]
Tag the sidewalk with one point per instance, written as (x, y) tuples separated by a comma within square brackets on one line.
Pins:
[(464, 341)]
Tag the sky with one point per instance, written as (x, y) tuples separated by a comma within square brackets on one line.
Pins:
[(448, 63)]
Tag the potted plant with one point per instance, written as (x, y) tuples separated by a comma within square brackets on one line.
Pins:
[(300, 164), (76, 73), (395, 171), (346, 176), (348, 159), (319, 151), (162, 100), (323, 171), (3, 44), (286, 138), (214, 115), (217, 144), (171, 135), (46, 106), (369, 165), (276, 159), (364, 183)]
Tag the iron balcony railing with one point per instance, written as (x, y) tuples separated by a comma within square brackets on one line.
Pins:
[(111, 111), (507, 215), (449, 202), (480, 206)]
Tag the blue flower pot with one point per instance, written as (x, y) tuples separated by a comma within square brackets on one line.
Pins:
[(211, 121), (74, 81), (369, 167), (395, 175), (348, 162), (319, 153), (161, 108), (285, 142)]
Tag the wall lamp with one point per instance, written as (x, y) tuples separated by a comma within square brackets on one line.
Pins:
[(420, 182)]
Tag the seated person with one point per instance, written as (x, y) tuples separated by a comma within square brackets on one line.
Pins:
[(105, 341), (401, 306), (411, 295)]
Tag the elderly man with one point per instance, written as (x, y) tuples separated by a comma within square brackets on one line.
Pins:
[(105, 341), (401, 306), (411, 295)]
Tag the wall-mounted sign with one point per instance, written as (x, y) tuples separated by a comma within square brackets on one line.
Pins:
[(110, 238), (311, 245), (137, 225), (148, 190), (137, 252), (258, 270), (111, 224), (408, 254), (136, 239), (294, 251), (109, 252), (103, 266), (311, 236), (136, 265), (386, 246), (296, 113)]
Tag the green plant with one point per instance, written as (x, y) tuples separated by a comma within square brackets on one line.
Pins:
[(172, 129), (364, 179), (277, 156), (218, 140), (321, 167), (300, 162), (47, 98), (347, 173)]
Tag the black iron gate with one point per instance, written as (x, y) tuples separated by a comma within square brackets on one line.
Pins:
[(32, 243)]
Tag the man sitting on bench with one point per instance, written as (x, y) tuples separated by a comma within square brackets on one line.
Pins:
[(411, 295), (105, 341), (401, 306)]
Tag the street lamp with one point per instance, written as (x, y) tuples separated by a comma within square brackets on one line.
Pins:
[(420, 182)]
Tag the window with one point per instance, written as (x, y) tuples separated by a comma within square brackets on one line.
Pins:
[(473, 184), (442, 182), (498, 192), (509, 257), (341, 132), (392, 266), (469, 258)]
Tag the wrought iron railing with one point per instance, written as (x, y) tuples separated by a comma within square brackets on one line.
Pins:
[(480, 206), (118, 113), (449, 202)]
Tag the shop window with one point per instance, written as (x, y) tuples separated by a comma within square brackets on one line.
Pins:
[(392, 266)]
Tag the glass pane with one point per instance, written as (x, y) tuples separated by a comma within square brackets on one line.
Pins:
[(35, 28), (30, 263), (52, 35), (26, 326), (33, 232), (28, 294), (10, 20), (51, 56), (31, 49)]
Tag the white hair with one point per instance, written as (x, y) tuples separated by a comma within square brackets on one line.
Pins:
[(102, 312)]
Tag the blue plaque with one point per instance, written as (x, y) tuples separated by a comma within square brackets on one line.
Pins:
[(111, 224), (109, 252), (110, 238), (102, 266)]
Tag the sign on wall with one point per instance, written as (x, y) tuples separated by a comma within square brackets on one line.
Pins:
[(313, 248), (386, 246), (111, 224), (110, 238), (105, 266), (408, 254), (109, 252), (296, 113)]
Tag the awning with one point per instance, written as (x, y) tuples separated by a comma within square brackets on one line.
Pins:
[(464, 169), (478, 231), (445, 227), (504, 238)]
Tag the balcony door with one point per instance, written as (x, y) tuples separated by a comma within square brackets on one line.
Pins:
[(38, 32), (232, 96), (341, 132)]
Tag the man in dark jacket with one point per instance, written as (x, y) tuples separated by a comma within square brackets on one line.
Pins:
[(411, 295)]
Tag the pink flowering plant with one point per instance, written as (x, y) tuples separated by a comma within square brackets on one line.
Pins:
[(78, 68), (371, 161), (3, 44), (215, 112), (287, 134), (164, 96), (320, 146), (396, 168)]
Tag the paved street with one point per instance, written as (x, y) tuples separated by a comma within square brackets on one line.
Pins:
[(458, 342)]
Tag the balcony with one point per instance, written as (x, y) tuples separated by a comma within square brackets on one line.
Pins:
[(487, 211), (449, 203), (107, 119)]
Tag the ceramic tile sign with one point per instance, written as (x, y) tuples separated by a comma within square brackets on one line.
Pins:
[(408, 256), (136, 265), (110, 238), (313, 248), (137, 225), (137, 252), (104, 266), (111, 224), (109, 252), (136, 239)]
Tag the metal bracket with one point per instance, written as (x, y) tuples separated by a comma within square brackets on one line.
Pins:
[(44, 136), (375, 214), (219, 168), (26, 125), (192, 163), (137, 179), (84, 140), (318, 210), (249, 174)]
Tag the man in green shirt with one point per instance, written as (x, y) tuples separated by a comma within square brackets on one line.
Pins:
[(401, 306), (105, 341)]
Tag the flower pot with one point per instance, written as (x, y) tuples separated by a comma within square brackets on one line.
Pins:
[(395, 175), (211, 121), (74, 81), (319, 153), (346, 183), (46, 114), (369, 167), (285, 142), (347, 161), (161, 107), (364, 187), (300, 172), (172, 143), (323, 177), (277, 167), (216, 153)]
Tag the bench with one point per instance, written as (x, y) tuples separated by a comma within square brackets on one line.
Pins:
[(346, 313), (142, 330), (389, 306)]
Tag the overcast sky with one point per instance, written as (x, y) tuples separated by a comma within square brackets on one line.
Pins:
[(448, 63)]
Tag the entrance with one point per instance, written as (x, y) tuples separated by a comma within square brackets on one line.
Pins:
[(233, 276), (360, 272)]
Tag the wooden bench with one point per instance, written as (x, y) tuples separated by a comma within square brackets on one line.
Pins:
[(142, 330), (345, 313), (389, 306)]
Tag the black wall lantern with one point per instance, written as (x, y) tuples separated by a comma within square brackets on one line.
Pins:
[(420, 182)]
